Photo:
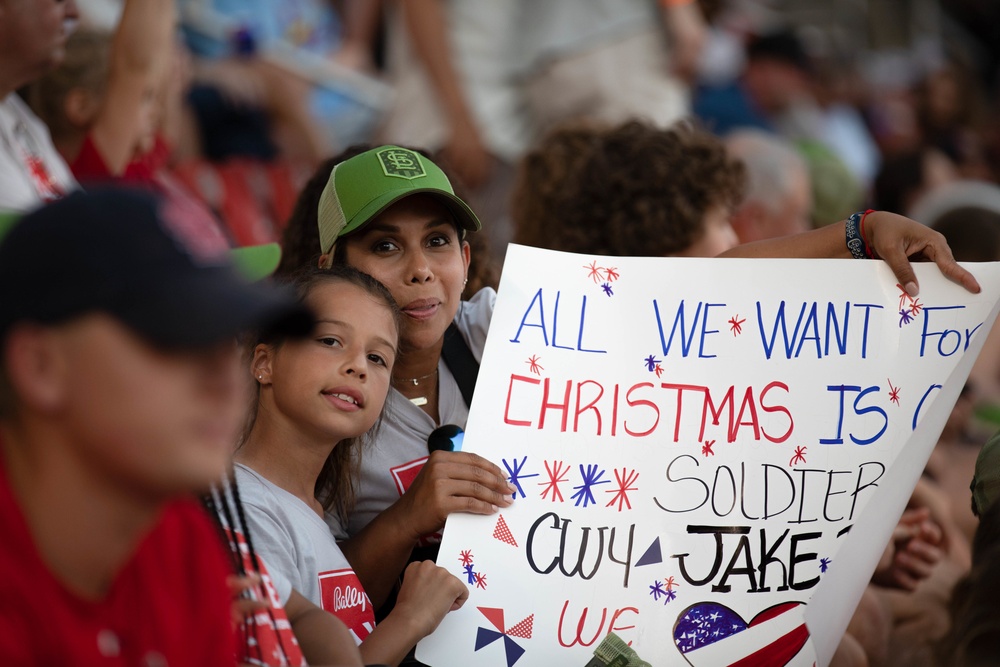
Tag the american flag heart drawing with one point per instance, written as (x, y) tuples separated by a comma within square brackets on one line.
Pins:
[(709, 634)]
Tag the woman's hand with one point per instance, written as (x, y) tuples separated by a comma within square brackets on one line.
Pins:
[(452, 482), (897, 240), (892, 237)]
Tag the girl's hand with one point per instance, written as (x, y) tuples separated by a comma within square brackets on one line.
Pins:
[(897, 239), (452, 482), (427, 594)]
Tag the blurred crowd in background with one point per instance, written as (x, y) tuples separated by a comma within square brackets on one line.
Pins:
[(882, 101), (830, 107)]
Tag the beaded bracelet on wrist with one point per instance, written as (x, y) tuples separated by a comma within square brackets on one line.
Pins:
[(856, 242)]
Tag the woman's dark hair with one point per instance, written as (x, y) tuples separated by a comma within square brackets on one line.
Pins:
[(336, 484), (300, 241), (482, 269), (634, 189)]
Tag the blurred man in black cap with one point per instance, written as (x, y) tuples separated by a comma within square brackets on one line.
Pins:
[(120, 394)]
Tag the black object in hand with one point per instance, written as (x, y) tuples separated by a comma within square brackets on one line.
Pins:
[(447, 438)]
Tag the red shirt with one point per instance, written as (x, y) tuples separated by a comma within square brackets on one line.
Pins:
[(167, 607), (89, 165)]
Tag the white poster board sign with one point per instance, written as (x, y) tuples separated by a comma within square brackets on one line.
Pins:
[(710, 455)]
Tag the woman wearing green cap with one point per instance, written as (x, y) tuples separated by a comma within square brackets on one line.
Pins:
[(393, 214)]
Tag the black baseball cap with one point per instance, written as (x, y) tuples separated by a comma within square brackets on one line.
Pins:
[(112, 250)]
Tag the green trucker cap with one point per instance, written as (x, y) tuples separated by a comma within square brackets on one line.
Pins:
[(365, 185)]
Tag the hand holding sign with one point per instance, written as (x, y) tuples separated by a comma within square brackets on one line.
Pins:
[(452, 482), (896, 239), (892, 237)]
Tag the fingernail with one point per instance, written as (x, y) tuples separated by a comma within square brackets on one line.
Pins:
[(511, 487), (912, 289), (495, 508)]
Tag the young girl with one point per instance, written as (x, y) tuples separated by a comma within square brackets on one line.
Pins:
[(318, 401)]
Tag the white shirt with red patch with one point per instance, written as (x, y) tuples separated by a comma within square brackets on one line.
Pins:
[(302, 553), (400, 451), (31, 170)]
